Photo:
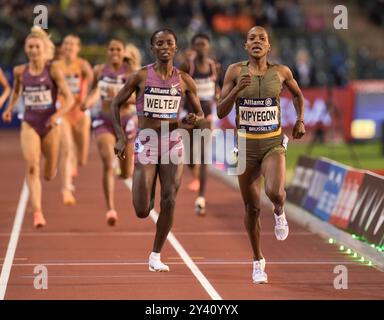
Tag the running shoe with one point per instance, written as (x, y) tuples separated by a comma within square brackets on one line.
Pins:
[(281, 227), (155, 264), (200, 206), (259, 276)]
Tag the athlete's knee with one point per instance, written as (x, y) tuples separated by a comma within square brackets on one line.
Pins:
[(168, 203), (108, 166), (252, 210), (33, 169), (275, 195), (142, 212)]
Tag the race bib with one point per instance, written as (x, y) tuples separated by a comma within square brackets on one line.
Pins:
[(258, 115), (73, 82), (161, 103), (38, 98), (205, 89), (109, 87)]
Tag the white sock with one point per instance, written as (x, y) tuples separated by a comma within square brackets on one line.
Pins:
[(155, 255)]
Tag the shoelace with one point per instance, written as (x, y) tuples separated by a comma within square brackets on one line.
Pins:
[(281, 221)]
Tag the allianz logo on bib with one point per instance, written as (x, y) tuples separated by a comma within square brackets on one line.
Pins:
[(254, 102), (162, 91)]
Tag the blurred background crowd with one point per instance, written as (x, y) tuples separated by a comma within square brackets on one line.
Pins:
[(302, 32)]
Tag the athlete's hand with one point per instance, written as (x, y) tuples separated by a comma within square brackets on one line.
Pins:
[(83, 106), (244, 81), (298, 130), (192, 118), (52, 121), (7, 116), (120, 147)]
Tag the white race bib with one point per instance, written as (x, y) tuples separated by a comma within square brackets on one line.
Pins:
[(73, 83), (258, 115), (161, 103), (109, 89), (41, 99), (205, 89)]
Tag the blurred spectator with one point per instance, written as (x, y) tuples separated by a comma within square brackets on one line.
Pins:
[(262, 16), (303, 70), (243, 20), (95, 21), (145, 16), (289, 14), (223, 20), (339, 71), (274, 55), (209, 8)]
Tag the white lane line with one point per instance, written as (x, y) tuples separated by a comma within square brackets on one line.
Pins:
[(184, 255), (12, 245), (144, 233), (143, 263)]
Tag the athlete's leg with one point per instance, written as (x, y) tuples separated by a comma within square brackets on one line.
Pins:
[(144, 177), (51, 147), (105, 143), (273, 170), (205, 146), (82, 137), (66, 163), (170, 178), (249, 183), (126, 165), (195, 183), (31, 149)]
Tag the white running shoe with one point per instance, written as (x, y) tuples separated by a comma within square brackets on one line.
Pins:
[(200, 206), (155, 264), (258, 275), (281, 227)]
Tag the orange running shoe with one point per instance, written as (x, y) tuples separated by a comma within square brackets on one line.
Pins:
[(111, 217), (68, 198), (38, 220), (194, 185)]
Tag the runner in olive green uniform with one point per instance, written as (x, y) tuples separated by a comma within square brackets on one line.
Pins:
[(254, 86)]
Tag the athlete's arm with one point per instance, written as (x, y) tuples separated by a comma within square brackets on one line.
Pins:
[(15, 93), (131, 86), (231, 89), (298, 100), (87, 75), (58, 76), (132, 98), (94, 93), (217, 85), (6, 88), (191, 94)]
